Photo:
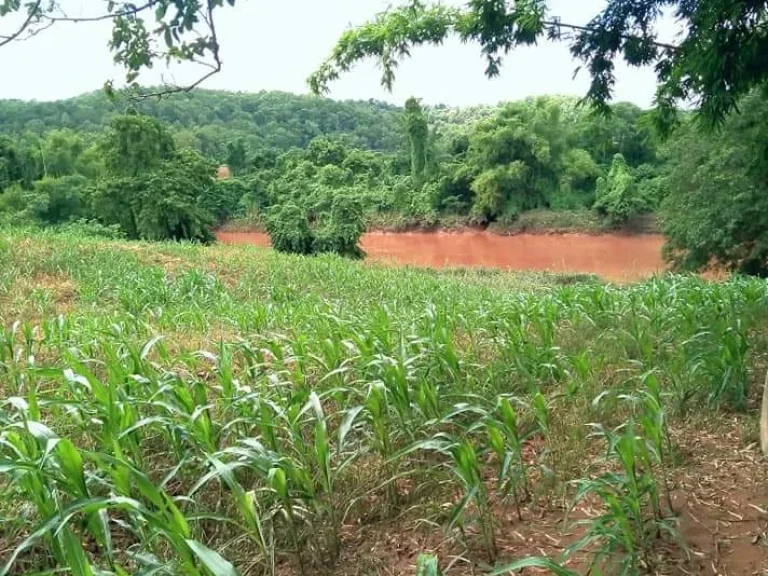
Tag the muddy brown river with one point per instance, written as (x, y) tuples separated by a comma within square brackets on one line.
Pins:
[(616, 257)]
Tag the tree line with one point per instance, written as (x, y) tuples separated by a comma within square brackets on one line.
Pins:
[(314, 172)]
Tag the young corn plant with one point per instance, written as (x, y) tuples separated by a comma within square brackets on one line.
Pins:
[(378, 410), (465, 465), (506, 442), (541, 414), (620, 539), (653, 420), (427, 565)]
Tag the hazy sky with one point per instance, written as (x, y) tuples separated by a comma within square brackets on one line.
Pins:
[(276, 44)]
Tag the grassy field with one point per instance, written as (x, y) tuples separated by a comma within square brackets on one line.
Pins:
[(171, 409)]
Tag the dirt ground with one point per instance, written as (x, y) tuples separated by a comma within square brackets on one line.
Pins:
[(720, 496)]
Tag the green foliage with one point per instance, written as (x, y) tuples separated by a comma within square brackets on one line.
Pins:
[(340, 231), (20, 207), (137, 435), (484, 165), (578, 179), (60, 152), (171, 203), (337, 230), (185, 29), (64, 199), (216, 122), (134, 144), (152, 191), (717, 61), (84, 228), (617, 198), (417, 131), (289, 230), (50, 201), (224, 198), (10, 163), (717, 208), (520, 159), (494, 190)]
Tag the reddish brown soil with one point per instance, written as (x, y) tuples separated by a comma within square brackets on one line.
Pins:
[(720, 500), (722, 497), (611, 256)]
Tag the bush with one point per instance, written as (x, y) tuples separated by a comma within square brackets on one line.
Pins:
[(64, 199), (341, 231), (164, 204), (19, 207), (716, 211), (289, 230), (50, 201)]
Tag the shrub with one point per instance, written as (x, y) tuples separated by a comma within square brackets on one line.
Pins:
[(289, 230), (222, 198), (342, 229)]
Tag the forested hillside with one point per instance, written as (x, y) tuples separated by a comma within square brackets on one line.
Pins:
[(316, 172), (213, 118)]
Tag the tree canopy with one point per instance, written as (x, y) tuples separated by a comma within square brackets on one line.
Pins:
[(720, 56), (312, 171), (718, 213)]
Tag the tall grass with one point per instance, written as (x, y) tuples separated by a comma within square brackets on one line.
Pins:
[(190, 410)]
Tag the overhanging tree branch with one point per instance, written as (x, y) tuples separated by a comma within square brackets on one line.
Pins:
[(187, 27), (215, 66), (556, 25), (109, 16), (33, 12)]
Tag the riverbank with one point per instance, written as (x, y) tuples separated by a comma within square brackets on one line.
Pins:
[(538, 222)]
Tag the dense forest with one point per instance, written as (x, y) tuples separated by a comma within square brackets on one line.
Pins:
[(315, 171)]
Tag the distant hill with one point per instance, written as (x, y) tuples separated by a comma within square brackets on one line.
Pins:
[(264, 120)]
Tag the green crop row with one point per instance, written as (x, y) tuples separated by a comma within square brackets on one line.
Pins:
[(219, 411)]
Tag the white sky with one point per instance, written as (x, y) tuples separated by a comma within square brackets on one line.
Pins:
[(277, 44)]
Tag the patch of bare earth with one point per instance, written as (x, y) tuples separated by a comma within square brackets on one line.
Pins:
[(720, 496)]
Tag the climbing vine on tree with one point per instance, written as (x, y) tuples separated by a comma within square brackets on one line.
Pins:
[(417, 130)]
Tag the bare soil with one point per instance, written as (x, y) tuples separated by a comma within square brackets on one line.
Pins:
[(720, 497)]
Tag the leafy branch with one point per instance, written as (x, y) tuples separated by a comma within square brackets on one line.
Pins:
[(134, 45)]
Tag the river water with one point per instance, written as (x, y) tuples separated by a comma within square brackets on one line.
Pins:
[(615, 257)]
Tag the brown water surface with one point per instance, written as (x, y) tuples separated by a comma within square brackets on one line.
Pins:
[(612, 256)]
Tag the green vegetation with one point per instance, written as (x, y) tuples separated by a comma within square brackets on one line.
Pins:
[(217, 124), (82, 159), (315, 182), (191, 410), (719, 211), (714, 60), (182, 409)]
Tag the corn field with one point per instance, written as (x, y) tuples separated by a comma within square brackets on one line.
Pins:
[(173, 409)]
